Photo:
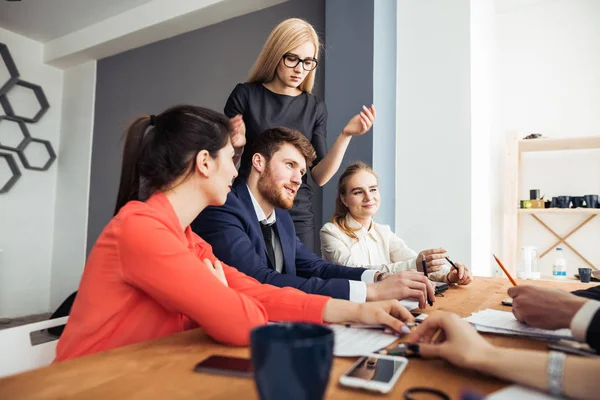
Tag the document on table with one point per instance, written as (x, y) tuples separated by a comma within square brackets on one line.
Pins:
[(357, 341), (353, 342), (519, 392), (505, 323), (410, 304)]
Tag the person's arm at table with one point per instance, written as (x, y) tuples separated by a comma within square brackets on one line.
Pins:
[(461, 345), (549, 308), (289, 304)]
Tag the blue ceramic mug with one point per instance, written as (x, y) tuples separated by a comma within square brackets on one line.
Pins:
[(291, 361), (585, 275)]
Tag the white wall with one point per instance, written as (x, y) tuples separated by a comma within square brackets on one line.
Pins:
[(482, 26), (384, 96), (468, 73), (27, 211), (548, 58), (73, 181), (433, 191)]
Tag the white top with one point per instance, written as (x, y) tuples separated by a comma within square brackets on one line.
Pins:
[(582, 319), (377, 248), (358, 289)]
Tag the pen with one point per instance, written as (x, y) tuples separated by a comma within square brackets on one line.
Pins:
[(365, 326), (510, 278), (403, 349), (451, 263), (425, 272), (380, 327)]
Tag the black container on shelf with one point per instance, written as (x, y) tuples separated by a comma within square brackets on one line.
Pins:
[(591, 200), (534, 194), (577, 201), (564, 201)]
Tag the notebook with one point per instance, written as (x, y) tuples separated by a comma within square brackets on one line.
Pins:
[(519, 392), (505, 323)]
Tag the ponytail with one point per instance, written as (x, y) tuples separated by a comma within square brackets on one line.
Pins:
[(161, 149), (129, 186)]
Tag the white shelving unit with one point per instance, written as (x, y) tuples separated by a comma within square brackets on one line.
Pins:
[(512, 213)]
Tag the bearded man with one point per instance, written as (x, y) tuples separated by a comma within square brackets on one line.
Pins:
[(254, 232)]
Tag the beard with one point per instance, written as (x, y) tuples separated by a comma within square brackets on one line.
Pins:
[(273, 193)]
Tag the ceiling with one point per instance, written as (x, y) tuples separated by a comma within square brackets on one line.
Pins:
[(44, 20)]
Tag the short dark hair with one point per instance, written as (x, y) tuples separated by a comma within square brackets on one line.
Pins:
[(160, 149), (271, 140)]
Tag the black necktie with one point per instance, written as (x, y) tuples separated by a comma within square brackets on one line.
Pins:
[(267, 231)]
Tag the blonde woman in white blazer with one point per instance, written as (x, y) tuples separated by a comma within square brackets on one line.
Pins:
[(354, 239)]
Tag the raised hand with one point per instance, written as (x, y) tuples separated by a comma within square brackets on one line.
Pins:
[(361, 122)]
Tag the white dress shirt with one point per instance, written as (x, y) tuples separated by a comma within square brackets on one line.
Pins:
[(358, 289), (376, 248), (582, 319)]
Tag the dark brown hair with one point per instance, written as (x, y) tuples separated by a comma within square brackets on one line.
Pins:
[(339, 216), (160, 149), (271, 140)]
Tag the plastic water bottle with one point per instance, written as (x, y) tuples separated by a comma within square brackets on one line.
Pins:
[(559, 270)]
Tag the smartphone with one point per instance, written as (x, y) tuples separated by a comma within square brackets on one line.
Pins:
[(421, 317), (225, 365), (571, 347), (375, 372)]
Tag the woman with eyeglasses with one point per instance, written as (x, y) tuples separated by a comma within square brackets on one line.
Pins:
[(279, 93)]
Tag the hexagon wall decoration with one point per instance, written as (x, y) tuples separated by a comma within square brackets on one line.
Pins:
[(13, 72), (12, 116), (22, 127), (27, 164), (14, 169), (39, 95)]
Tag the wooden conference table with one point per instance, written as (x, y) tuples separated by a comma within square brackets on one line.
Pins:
[(162, 368)]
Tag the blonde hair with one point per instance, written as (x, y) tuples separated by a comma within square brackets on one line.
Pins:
[(341, 211), (287, 35)]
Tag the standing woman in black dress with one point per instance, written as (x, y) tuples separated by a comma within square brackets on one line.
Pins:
[(278, 93)]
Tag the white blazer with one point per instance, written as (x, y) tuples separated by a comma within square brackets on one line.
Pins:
[(377, 248)]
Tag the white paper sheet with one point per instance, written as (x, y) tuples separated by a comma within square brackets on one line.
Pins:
[(504, 322), (357, 341), (353, 342), (410, 304), (519, 392)]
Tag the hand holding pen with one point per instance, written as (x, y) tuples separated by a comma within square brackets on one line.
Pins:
[(425, 272), (446, 335), (459, 274), (409, 284)]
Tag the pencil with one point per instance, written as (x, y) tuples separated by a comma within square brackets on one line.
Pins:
[(436, 336), (510, 278)]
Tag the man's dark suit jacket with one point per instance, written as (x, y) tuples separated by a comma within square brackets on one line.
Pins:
[(234, 233)]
